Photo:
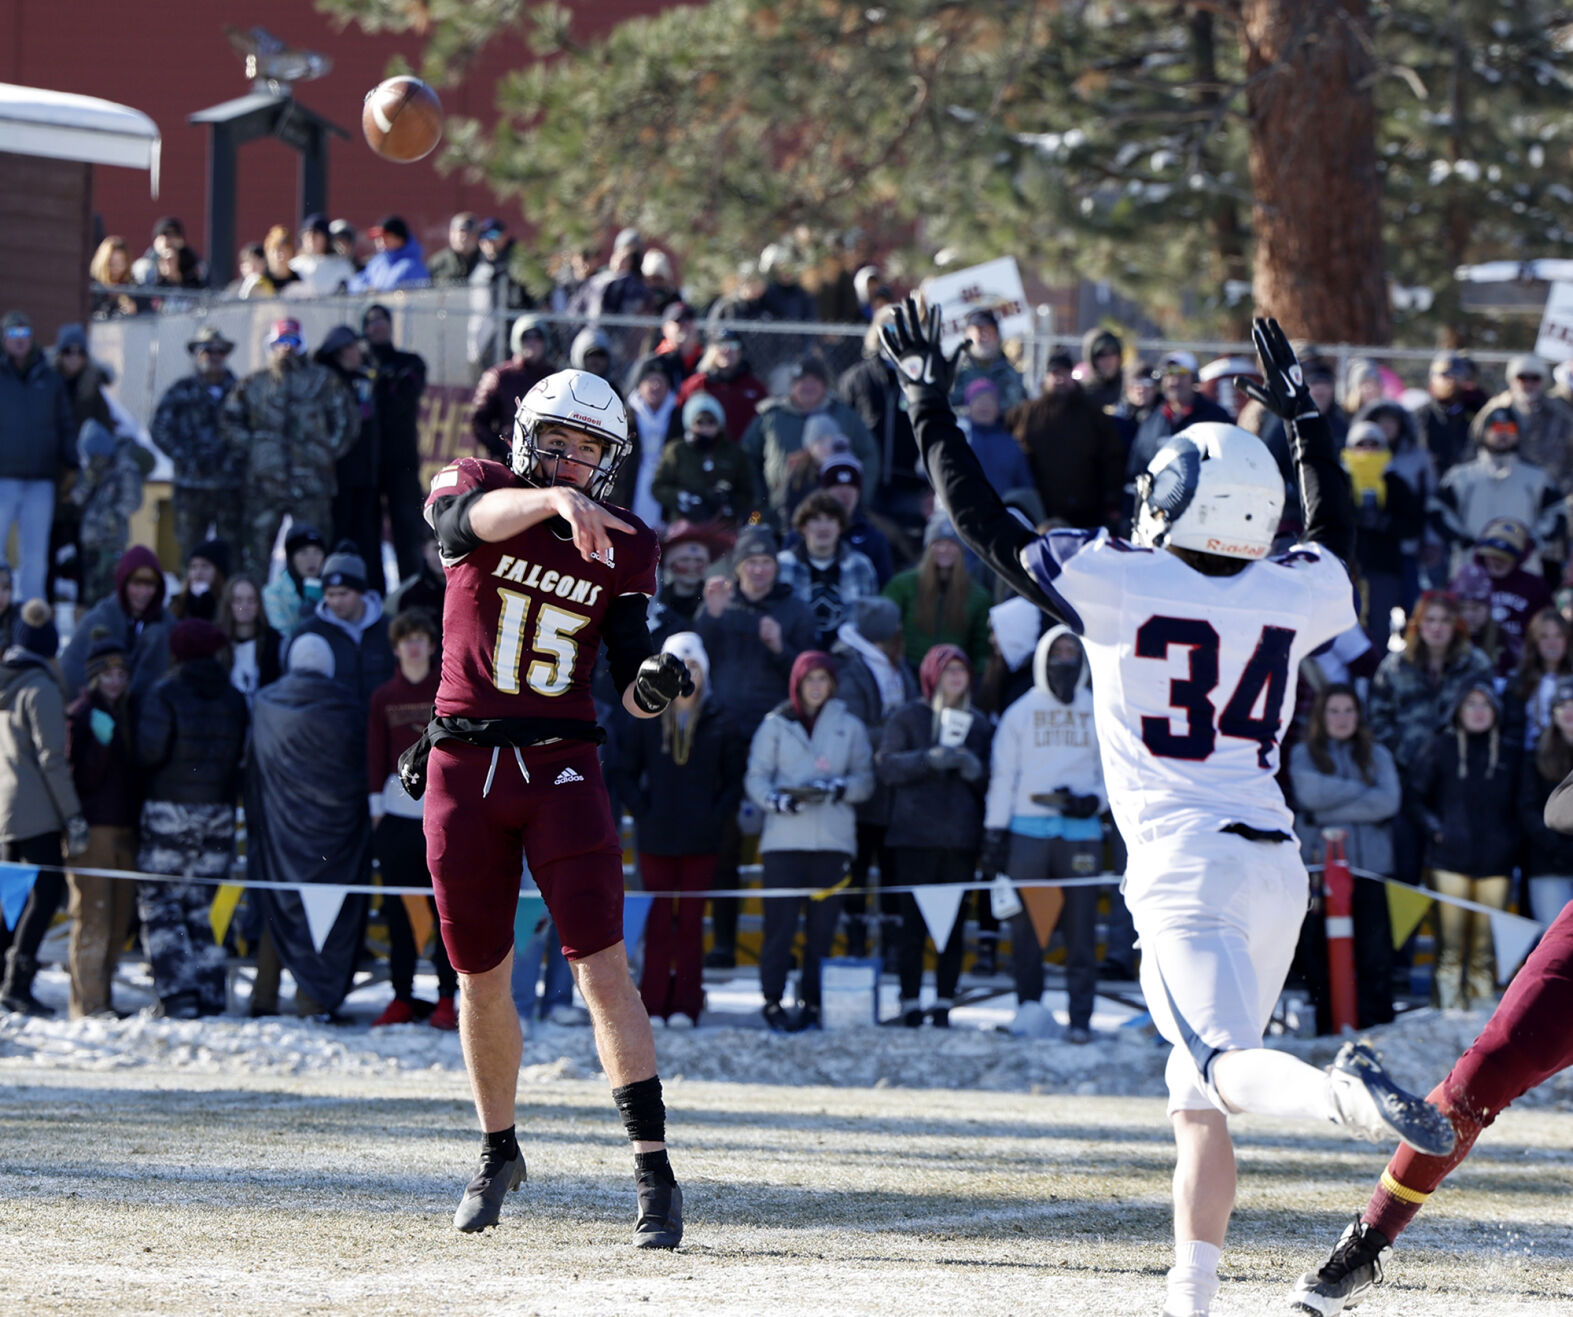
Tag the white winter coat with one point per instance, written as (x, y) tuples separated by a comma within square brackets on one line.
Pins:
[(1041, 745), (783, 754)]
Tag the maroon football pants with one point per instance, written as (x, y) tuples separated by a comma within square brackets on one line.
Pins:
[(1527, 1040), (486, 813), (674, 934)]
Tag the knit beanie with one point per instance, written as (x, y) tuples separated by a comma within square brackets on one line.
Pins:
[(193, 638), (103, 652), (687, 645), (35, 630), (310, 653), (935, 662), (344, 567), (877, 618)]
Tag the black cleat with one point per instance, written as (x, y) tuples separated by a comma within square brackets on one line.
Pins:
[(481, 1205), (660, 1223), (1345, 1278)]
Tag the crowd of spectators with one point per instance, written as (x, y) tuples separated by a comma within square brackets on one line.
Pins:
[(869, 704)]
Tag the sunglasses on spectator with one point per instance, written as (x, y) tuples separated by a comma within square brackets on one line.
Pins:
[(1532, 379), (17, 331), (212, 352)]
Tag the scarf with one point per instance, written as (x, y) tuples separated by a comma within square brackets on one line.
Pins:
[(892, 690)]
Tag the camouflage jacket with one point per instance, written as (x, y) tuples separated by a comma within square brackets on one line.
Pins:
[(292, 423), (109, 492), (188, 429), (1406, 708)]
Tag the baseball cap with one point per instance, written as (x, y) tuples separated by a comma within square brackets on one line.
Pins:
[(317, 223), (492, 227), (390, 224), (811, 365), (983, 317), (841, 469), (1504, 535), (286, 331), (1178, 363), (677, 311)]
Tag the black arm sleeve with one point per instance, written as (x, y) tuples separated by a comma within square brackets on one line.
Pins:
[(450, 521), (626, 635), (982, 520), (1324, 488)]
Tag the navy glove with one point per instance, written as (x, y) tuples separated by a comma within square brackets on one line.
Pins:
[(781, 803), (995, 854), (835, 788), (1079, 807), (660, 680)]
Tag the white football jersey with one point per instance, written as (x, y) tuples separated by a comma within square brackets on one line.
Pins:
[(1193, 676)]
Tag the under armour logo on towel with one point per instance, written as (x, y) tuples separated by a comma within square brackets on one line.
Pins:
[(568, 775)]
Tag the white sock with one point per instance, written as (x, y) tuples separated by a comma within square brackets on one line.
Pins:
[(1193, 1280), (1268, 1083)]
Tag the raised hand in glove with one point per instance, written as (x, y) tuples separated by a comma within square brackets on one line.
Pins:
[(968, 765), (995, 854), (1079, 807), (912, 341), (660, 680), (1283, 390), (76, 835), (780, 803)]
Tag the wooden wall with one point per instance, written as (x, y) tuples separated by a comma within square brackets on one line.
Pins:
[(46, 211)]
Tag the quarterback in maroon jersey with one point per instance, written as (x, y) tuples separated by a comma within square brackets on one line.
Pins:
[(540, 573)]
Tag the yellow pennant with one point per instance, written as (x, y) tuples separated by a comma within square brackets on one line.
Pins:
[(846, 881), (1406, 907), (223, 909)]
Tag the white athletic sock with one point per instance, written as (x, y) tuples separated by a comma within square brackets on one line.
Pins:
[(1193, 1280), (1268, 1083)]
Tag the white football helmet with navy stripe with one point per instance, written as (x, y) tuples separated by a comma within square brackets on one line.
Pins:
[(1213, 488)]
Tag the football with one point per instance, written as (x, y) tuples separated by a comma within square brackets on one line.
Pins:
[(402, 119)]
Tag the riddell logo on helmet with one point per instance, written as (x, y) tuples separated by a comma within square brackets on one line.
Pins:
[(588, 420), (1236, 550)]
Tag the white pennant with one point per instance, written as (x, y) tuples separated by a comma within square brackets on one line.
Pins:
[(1511, 937), (322, 905), (939, 905)]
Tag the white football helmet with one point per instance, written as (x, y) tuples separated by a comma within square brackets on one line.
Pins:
[(1213, 488), (580, 401)]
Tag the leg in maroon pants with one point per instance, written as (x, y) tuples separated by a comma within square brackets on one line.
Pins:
[(688, 988), (660, 874), (1526, 1041)]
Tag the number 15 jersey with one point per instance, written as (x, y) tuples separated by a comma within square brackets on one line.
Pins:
[(522, 619), (1193, 676)]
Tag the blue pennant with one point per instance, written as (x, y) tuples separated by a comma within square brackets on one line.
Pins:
[(16, 882)]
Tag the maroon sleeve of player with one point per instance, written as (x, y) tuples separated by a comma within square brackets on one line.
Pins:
[(377, 741), (641, 575)]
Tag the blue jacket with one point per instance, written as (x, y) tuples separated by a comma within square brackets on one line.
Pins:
[(37, 428), (1000, 456), (405, 268)]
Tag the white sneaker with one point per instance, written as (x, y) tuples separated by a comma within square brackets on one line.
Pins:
[(1033, 1020), (570, 1016), (679, 1022), (1370, 1105)]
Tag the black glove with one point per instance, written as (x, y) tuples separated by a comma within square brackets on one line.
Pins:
[(941, 758), (995, 854), (781, 803), (661, 679), (1079, 807), (912, 341), (77, 835), (1283, 390)]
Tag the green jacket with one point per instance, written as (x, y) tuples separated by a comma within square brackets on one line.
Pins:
[(776, 432), (291, 423), (903, 591), (702, 485)]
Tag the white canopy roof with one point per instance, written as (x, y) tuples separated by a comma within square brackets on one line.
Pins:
[(64, 126)]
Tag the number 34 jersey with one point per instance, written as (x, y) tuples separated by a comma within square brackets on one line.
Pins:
[(1193, 676), (522, 618)]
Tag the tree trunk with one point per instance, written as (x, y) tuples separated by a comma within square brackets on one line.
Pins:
[(1223, 219), (1317, 213)]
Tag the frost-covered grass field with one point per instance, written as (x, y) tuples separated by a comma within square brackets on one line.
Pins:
[(279, 1167)]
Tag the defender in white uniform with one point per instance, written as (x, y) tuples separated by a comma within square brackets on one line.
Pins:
[(1194, 635)]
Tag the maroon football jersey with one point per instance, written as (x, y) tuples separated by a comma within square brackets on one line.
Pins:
[(521, 619)]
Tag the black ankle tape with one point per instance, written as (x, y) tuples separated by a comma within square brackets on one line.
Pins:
[(643, 1112)]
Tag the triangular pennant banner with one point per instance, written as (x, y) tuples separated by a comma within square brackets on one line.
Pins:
[(1043, 908), (322, 904), (1406, 907), (939, 906), (636, 911), (1512, 936), (222, 911), (16, 882), (418, 908)]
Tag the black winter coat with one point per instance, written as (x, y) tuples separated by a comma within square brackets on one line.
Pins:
[(1550, 851), (105, 776), (1470, 823), (929, 808), (870, 389), (679, 809), (191, 736), (400, 381), (747, 678)]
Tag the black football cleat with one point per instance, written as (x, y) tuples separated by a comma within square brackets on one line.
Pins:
[(660, 1223), (1371, 1106), (1346, 1277), (481, 1205)]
